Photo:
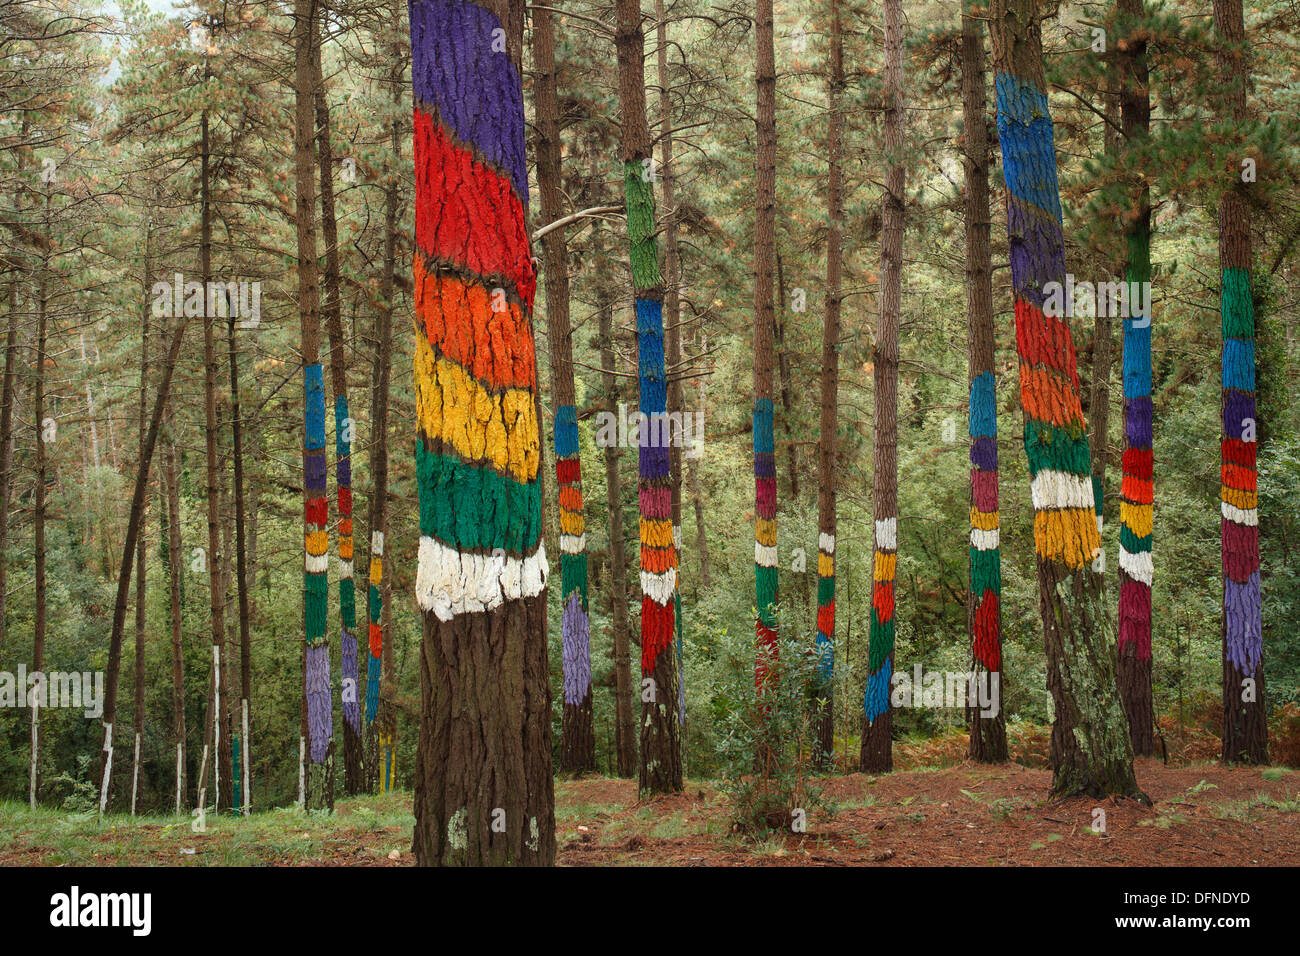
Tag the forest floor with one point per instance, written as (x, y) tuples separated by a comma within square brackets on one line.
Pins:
[(1203, 814)]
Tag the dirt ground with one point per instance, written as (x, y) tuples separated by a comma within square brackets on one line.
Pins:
[(1203, 815), (968, 815)]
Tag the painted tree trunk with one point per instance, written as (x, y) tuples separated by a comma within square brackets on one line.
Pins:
[(316, 662), (830, 388), (1090, 749), (877, 722), (765, 549), (988, 737), (672, 331), (1137, 492), (483, 791), (577, 742), (343, 429), (381, 717), (661, 758), (1245, 727)]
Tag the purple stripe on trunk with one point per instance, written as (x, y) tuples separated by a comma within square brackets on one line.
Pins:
[(351, 701), (1137, 422), (984, 454), (654, 462), (1237, 406), (984, 489), (320, 712), (313, 467), (459, 66), (575, 650), (1241, 608), (344, 472), (1037, 252), (764, 464)]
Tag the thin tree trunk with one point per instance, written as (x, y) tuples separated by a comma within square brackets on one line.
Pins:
[(1090, 749), (141, 619), (661, 757), (988, 734), (352, 755), (1245, 724), (830, 389), (128, 550), (381, 716), (175, 555), (1137, 490), (39, 504), (624, 721), (577, 743), (765, 553), (483, 788), (316, 660), (672, 333), (877, 724), (7, 401)]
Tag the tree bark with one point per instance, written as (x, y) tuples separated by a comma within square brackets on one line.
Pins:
[(39, 496), (765, 550), (988, 736), (577, 742), (483, 786), (1245, 722), (1137, 489), (141, 619), (661, 758), (1090, 750), (830, 390), (316, 661), (877, 723), (353, 771)]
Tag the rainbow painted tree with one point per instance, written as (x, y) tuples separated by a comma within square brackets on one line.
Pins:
[(1137, 490), (483, 792), (765, 554), (1245, 727), (1090, 750), (316, 786), (577, 742), (661, 759), (876, 753), (988, 737)]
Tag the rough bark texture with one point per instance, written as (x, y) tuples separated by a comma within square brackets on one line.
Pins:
[(7, 399), (672, 329), (1137, 489), (175, 554), (39, 501), (625, 743), (661, 758), (141, 617), (877, 721), (577, 741), (381, 717), (765, 551), (988, 736), (483, 786), (316, 662), (830, 389), (350, 690), (1090, 749), (1245, 725)]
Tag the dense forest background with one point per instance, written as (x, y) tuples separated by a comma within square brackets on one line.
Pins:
[(99, 168)]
